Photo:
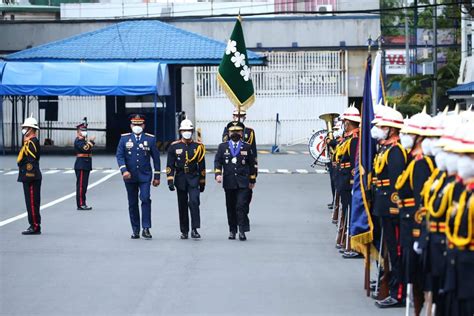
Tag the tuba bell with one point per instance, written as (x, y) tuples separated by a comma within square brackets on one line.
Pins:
[(329, 119)]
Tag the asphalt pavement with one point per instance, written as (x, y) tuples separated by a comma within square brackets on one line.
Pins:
[(85, 263)]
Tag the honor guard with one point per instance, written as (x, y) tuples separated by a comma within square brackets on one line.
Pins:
[(186, 171), (409, 187), (236, 167), (134, 152), (30, 174), (389, 163), (459, 228), (248, 134), (346, 155), (83, 148)]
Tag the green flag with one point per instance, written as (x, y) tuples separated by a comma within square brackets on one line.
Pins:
[(234, 72)]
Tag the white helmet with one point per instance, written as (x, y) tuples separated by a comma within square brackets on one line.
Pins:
[(186, 125), (390, 118), (30, 122), (351, 114), (379, 110), (418, 124)]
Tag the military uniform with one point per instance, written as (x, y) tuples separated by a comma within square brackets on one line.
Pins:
[(235, 161), (186, 169), (30, 175), (249, 138), (133, 155), (82, 168)]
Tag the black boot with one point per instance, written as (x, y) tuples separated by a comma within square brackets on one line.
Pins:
[(184, 236), (232, 235), (242, 236), (146, 233), (84, 208), (195, 234), (32, 230), (135, 236)]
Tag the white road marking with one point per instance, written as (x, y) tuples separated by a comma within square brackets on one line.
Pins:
[(302, 171), (263, 170), (209, 170), (305, 152), (291, 152), (70, 171), (61, 199), (109, 171), (11, 172), (321, 171), (52, 171), (92, 171), (283, 171)]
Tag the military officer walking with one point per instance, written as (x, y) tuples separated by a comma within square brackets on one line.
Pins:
[(30, 174), (134, 152), (186, 172), (83, 148), (236, 167), (248, 134)]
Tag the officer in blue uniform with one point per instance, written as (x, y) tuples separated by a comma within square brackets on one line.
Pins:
[(133, 157), (83, 148)]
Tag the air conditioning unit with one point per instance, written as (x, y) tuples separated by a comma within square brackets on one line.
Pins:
[(324, 8)]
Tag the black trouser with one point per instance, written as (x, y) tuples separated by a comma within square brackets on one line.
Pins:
[(32, 192), (331, 177), (391, 235), (82, 181), (188, 199), (237, 202)]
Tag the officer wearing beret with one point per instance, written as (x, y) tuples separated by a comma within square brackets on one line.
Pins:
[(134, 152), (236, 167), (30, 174), (83, 148), (186, 172)]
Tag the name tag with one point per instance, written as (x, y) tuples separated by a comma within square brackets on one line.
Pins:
[(243, 153), (179, 151)]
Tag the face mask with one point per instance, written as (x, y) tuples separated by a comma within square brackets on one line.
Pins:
[(407, 141), (187, 135), (337, 133), (440, 160), (452, 163), (235, 137), (24, 131), (434, 148), (374, 132), (83, 133), (137, 129), (426, 146), (466, 167), (383, 133)]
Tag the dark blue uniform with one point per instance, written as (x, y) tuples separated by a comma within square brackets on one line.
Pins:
[(186, 169), (238, 172), (30, 175), (133, 155), (82, 167)]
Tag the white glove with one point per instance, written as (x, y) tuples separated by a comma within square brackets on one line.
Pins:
[(416, 248)]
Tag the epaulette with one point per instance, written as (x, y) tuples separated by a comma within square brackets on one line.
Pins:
[(176, 142), (151, 135), (126, 134)]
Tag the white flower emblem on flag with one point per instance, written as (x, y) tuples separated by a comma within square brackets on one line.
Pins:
[(231, 47), (245, 73), (238, 59)]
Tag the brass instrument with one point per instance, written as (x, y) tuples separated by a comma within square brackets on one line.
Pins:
[(320, 136), (329, 119)]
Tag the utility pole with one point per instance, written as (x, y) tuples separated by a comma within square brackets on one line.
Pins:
[(407, 41), (434, 103)]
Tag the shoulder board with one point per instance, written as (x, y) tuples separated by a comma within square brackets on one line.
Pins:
[(176, 142), (126, 134), (151, 135)]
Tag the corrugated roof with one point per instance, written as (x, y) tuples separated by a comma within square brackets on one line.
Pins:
[(462, 89), (133, 40)]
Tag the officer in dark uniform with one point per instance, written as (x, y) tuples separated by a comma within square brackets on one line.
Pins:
[(249, 133), (389, 163), (186, 170), (134, 152), (236, 167), (30, 174), (83, 148)]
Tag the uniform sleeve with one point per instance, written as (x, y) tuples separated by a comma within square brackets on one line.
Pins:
[(421, 173), (170, 165), (202, 166), (225, 135), (253, 167), (353, 151), (33, 151), (82, 146), (155, 154), (219, 161), (120, 156), (254, 143), (396, 164)]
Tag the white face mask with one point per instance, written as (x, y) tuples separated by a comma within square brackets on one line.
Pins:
[(24, 131), (83, 133), (337, 133), (137, 129), (374, 132), (440, 159), (452, 163), (426, 146), (434, 148), (466, 167), (407, 141), (187, 134)]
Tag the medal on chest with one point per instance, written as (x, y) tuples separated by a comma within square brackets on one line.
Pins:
[(234, 151), (129, 144)]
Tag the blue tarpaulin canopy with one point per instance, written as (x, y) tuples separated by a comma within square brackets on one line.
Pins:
[(84, 78), (466, 89)]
